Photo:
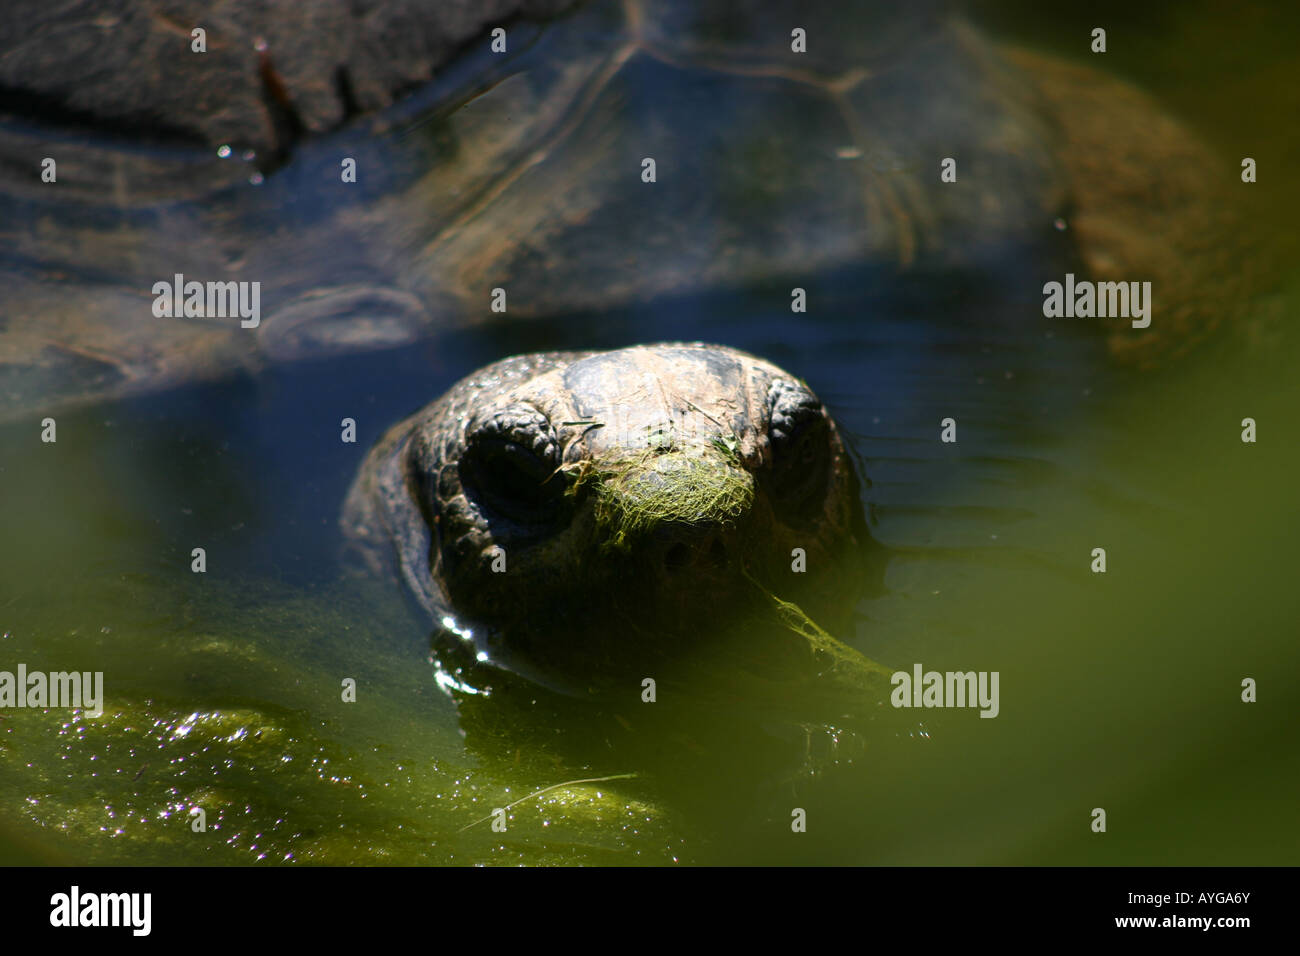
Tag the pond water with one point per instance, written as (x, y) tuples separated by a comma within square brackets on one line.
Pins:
[(1119, 690)]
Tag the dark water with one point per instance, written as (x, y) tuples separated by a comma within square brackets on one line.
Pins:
[(1119, 690)]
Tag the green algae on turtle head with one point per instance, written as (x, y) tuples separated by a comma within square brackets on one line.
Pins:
[(666, 483)]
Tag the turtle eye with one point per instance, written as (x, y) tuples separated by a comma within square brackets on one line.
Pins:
[(510, 471), (800, 436), (799, 463)]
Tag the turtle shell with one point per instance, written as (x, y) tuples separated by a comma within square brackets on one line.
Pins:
[(619, 153)]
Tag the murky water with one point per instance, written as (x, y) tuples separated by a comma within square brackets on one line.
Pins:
[(1119, 690)]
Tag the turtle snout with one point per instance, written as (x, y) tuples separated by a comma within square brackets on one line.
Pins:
[(677, 511)]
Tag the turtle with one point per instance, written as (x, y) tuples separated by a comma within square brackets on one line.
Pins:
[(587, 513), (361, 178)]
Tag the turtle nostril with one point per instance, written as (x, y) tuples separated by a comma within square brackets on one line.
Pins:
[(685, 554), (677, 557)]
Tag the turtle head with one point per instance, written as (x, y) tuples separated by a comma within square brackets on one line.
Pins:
[(588, 510)]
